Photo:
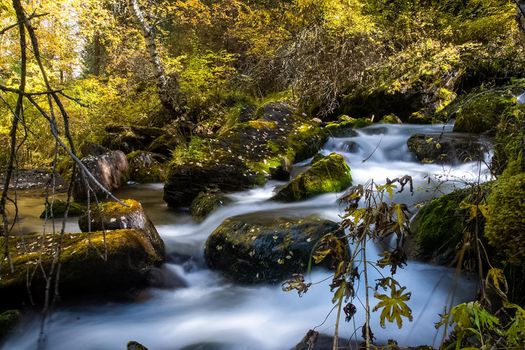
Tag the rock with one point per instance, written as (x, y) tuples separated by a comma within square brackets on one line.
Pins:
[(90, 263), (110, 169), (130, 138), (163, 145), (375, 130), (345, 128), (447, 148), (133, 345), (314, 340), (264, 247), (115, 216), (145, 167), (8, 321), (206, 203), (247, 155), (480, 111), (33, 179), (92, 149), (438, 228), (391, 119), (329, 174), (57, 209), (505, 227), (351, 147), (164, 278)]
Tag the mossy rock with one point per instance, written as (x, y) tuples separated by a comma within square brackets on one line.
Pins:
[(164, 145), (129, 138), (447, 148), (145, 167), (243, 156), (90, 263), (438, 228), (115, 216), (391, 119), (8, 321), (505, 229), (480, 111), (133, 345), (346, 126), (206, 203), (264, 247), (328, 174), (57, 209)]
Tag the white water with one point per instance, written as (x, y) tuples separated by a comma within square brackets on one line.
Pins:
[(211, 310)]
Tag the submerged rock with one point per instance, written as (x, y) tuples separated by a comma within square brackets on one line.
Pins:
[(145, 167), (328, 174), (264, 247), (57, 209), (246, 155), (97, 262), (110, 169), (115, 216), (206, 203), (447, 148)]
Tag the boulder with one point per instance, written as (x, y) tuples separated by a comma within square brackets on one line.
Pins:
[(90, 263), (110, 169), (145, 167), (245, 155), (115, 216), (264, 247), (57, 209), (206, 203), (447, 148), (163, 145), (133, 345), (438, 228), (328, 174)]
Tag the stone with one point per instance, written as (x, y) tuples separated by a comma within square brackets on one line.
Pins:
[(206, 203)]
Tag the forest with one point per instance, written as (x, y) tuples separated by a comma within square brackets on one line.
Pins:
[(266, 175)]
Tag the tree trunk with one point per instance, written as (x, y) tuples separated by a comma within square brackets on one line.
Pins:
[(520, 15), (160, 75)]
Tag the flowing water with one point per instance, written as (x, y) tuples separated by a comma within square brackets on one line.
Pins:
[(213, 313)]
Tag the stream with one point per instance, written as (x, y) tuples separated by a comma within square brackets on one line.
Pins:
[(213, 313)]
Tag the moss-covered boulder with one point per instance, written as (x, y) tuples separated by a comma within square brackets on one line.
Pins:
[(447, 148), (8, 321), (345, 125), (505, 227), (206, 203), (90, 263), (243, 156), (110, 169), (115, 216), (264, 247), (480, 111), (328, 174), (440, 227), (145, 167), (57, 209)]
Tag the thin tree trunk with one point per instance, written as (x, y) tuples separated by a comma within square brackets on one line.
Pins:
[(148, 33), (520, 15)]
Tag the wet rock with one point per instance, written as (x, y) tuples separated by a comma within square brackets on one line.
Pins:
[(110, 169), (133, 345), (351, 147), (57, 209), (264, 247), (164, 278), (247, 155), (94, 263), (344, 128), (145, 167), (329, 174), (8, 321), (206, 203), (375, 130), (391, 119), (115, 216), (447, 148)]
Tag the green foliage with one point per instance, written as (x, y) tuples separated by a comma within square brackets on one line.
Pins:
[(393, 306)]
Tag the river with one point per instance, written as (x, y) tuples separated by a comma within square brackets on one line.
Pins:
[(213, 313)]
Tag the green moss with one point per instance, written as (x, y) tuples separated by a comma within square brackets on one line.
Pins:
[(115, 208), (304, 142), (505, 227), (391, 119), (329, 174), (262, 124), (58, 209)]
